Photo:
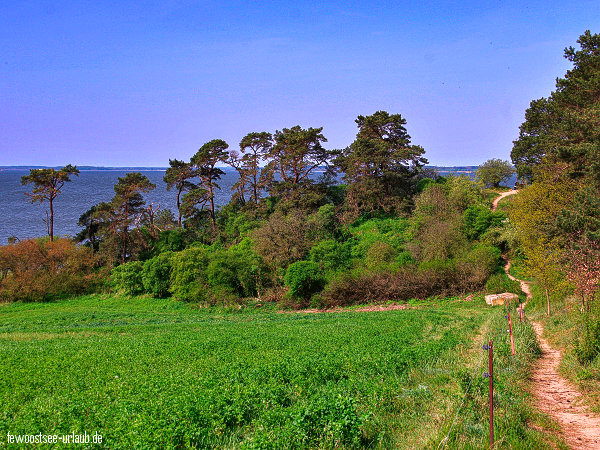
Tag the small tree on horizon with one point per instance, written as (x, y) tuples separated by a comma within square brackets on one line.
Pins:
[(494, 171), (47, 185)]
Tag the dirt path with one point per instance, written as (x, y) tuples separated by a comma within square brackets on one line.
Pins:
[(559, 399), (554, 395), (501, 196)]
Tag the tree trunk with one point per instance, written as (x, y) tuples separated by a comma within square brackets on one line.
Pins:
[(212, 205), (51, 225), (125, 231), (179, 208)]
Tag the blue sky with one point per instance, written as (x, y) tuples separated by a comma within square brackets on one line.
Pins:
[(121, 83)]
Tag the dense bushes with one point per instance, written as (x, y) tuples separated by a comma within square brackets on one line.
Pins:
[(442, 279), (41, 270), (156, 275), (127, 278), (188, 276), (304, 278)]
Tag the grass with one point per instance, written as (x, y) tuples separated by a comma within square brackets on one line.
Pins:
[(155, 373)]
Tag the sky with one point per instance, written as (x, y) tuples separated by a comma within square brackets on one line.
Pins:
[(134, 83)]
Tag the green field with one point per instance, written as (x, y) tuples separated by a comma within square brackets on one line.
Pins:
[(149, 373)]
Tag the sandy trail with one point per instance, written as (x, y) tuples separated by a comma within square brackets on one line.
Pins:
[(559, 399), (554, 395), (501, 196)]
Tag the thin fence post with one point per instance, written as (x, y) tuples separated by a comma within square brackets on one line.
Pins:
[(491, 378), (512, 342)]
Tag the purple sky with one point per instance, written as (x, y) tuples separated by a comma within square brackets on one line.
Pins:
[(120, 83)]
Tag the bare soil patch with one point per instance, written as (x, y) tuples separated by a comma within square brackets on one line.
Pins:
[(367, 308)]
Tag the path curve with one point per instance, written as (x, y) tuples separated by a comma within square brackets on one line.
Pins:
[(554, 395), (501, 196)]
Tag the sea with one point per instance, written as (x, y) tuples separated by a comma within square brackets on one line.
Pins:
[(23, 220)]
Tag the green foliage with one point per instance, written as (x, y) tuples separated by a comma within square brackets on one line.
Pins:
[(487, 257), (587, 341), (380, 255), (493, 172), (332, 256), (188, 274), (170, 241), (238, 270), (156, 275), (478, 219), (380, 166), (499, 283), (392, 231), (304, 278), (127, 278)]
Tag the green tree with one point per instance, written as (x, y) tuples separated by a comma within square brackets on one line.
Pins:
[(127, 204), (178, 176), (205, 161), (381, 165), (562, 130), (534, 141), (47, 185), (254, 147), (296, 154), (493, 172)]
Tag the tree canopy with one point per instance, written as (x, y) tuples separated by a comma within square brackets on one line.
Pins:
[(47, 185)]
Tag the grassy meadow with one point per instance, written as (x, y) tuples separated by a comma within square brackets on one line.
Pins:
[(156, 373)]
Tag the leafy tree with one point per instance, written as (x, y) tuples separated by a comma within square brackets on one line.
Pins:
[(126, 206), (493, 172), (177, 176), (534, 141), (381, 165), (47, 185), (254, 147), (294, 157), (92, 221), (563, 128), (205, 161)]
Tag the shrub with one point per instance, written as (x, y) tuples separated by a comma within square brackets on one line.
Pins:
[(332, 256), (304, 278), (486, 256), (478, 219), (156, 275), (127, 278), (379, 255), (498, 283), (188, 274), (237, 270), (43, 270), (587, 343)]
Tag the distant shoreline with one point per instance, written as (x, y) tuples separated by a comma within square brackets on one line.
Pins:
[(453, 169)]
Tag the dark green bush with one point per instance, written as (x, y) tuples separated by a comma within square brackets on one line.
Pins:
[(332, 256), (170, 241), (188, 274), (127, 278), (304, 278), (156, 275)]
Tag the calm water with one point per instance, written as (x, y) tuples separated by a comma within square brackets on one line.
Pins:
[(25, 220)]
